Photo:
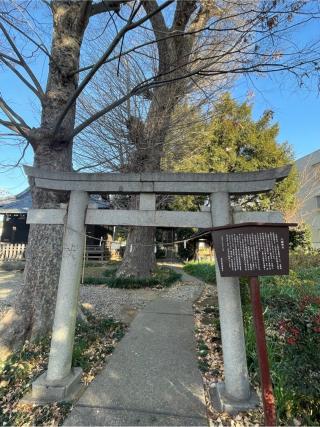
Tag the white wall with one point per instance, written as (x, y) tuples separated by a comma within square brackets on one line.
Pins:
[(309, 176)]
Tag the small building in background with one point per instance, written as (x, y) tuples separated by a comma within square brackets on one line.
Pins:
[(308, 209), (13, 215), (14, 228)]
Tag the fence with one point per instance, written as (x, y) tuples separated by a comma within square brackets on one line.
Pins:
[(11, 251)]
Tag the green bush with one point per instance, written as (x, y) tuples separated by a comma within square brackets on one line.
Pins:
[(163, 277), (300, 238), (292, 320), (94, 280), (202, 269)]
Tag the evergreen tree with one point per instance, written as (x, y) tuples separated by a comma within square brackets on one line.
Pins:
[(232, 141)]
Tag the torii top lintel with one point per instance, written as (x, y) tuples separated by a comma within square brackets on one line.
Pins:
[(160, 182)]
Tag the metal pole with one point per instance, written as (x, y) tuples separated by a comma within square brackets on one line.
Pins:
[(270, 417)]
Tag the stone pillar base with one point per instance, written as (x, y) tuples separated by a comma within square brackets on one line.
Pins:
[(44, 391), (223, 402)]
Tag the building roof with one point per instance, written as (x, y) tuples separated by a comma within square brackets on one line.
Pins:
[(22, 202), (17, 204), (310, 159)]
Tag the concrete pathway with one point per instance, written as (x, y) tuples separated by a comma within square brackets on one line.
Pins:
[(152, 377)]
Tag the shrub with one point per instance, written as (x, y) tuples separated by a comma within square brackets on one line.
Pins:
[(94, 280), (161, 278), (292, 320), (300, 238)]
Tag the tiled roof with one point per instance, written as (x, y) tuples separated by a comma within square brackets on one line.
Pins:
[(22, 202), (17, 204)]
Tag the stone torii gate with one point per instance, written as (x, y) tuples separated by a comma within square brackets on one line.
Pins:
[(61, 381)]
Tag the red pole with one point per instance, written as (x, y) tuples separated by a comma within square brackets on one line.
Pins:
[(267, 392)]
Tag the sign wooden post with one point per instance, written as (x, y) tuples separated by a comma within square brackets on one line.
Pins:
[(252, 250), (268, 399)]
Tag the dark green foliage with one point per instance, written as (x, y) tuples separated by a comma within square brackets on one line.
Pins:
[(160, 278), (201, 269), (110, 272), (186, 253), (292, 319), (300, 238), (94, 280)]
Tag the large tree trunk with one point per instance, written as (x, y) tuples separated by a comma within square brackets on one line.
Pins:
[(150, 136), (31, 316), (139, 258)]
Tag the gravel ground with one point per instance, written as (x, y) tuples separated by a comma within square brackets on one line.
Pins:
[(120, 304), (10, 283)]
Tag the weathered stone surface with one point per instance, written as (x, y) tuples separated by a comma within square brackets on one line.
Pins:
[(267, 174), (126, 217), (239, 217), (230, 312), (162, 183), (222, 402), (55, 391), (104, 416), (68, 290)]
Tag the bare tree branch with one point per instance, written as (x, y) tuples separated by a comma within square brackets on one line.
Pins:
[(9, 58), (12, 115), (21, 77), (27, 36), (15, 127), (22, 154), (113, 44), (23, 63)]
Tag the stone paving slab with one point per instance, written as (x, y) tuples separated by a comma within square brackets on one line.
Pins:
[(100, 416), (152, 377)]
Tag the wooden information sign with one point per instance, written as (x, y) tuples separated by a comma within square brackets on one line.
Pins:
[(252, 249)]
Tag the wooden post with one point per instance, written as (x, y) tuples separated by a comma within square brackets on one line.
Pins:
[(270, 417)]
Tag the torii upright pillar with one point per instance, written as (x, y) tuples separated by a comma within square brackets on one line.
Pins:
[(234, 394)]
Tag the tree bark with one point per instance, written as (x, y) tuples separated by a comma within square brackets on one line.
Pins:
[(31, 316), (150, 136)]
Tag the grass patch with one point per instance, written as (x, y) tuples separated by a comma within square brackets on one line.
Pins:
[(203, 270), (292, 320), (162, 278), (93, 342)]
